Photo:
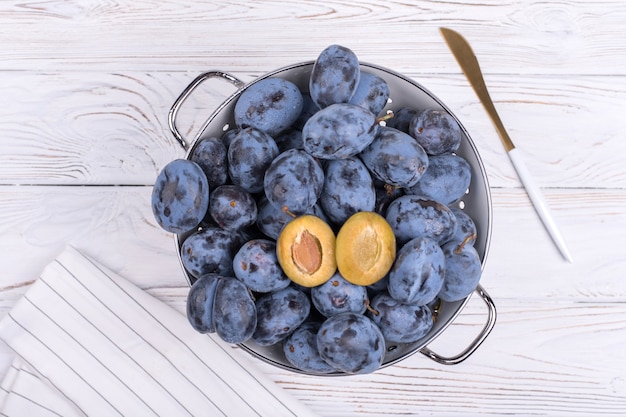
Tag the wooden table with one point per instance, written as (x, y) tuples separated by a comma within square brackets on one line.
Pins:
[(85, 88)]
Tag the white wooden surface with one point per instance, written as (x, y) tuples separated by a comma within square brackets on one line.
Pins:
[(85, 87)]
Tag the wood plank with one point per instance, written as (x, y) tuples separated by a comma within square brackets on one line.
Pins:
[(537, 361), (75, 128), (115, 225), (520, 36), (555, 350), (540, 359), (86, 87), (558, 360), (523, 262), (112, 224)]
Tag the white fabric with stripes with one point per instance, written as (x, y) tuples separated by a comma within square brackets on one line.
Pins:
[(89, 343)]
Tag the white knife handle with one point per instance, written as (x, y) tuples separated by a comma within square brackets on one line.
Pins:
[(539, 202)]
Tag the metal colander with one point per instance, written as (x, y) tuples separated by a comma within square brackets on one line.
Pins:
[(404, 92)]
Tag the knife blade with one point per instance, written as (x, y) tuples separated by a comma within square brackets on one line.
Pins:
[(468, 62)]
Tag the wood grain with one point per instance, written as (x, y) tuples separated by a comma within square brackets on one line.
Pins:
[(85, 88), (519, 36), (75, 128), (527, 366), (116, 226)]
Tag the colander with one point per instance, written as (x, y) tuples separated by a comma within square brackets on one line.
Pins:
[(404, 92)]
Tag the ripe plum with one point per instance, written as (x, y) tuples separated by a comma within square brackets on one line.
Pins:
[(338, 295), (249, 154), (335, 76), (279, 313), (371, 93), (339, 131), (348, 189), (270, 104), (351, 343), (210, 153), (417, 275), (234, 311), (293, 181), (436, 131), (309, 108), (400, 322), (180, 196), (412, 216), (465, 230), (256, 265), (232, 207), (402, 119), (463, 271), (395, 158), (200, 303), (446, 179), (289, 139), (306, 250), (210, 250), (300, 349)]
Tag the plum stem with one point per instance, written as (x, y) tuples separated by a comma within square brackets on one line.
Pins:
[(385, 117), (465, 241), (371, 309), (286, 210)]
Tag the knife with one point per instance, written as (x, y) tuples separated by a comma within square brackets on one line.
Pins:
[(468, 62)]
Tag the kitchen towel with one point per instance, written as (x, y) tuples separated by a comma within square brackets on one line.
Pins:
[(90, 343)]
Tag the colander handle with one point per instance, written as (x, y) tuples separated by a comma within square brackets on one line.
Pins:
[(491, 321), (185, 94)]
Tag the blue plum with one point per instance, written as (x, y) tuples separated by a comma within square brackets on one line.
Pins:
[(463, 271), (400, 322), (279, 313), (335, 76), (446, 179), (412, 216), (210, 250), (339, 131), (351, 343), (232, 207), (417, 274), (338, 295), (271, 220), (402, 119), (289, 139), (309, 108), (210, 153), (378, 287), (228, 136), (300, 349), (180, 196), (348, 189), (395, 158), (249, 155), (256, 265), (200, 301), (234, 311), (436, 130), (371, 93), (465, 230), (385, 194), (269, 104), (293, 181)]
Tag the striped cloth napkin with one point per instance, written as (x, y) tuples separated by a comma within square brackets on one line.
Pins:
[(90, 343)]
